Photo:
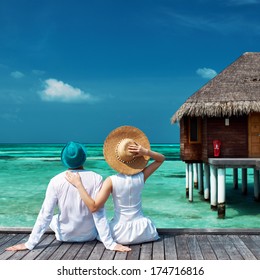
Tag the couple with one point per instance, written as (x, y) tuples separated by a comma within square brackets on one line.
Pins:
[(81, 195)]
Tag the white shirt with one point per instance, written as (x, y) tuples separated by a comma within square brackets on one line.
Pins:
[(74, 222)]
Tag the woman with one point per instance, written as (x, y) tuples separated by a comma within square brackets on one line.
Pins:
[(127, 150)]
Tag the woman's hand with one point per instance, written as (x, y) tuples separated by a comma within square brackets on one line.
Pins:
[(73, 178), (138, 150)]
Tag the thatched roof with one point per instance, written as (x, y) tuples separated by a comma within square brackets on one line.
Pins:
[(234, 91)]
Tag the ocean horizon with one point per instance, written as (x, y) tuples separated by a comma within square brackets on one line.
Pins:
[(27, 168)]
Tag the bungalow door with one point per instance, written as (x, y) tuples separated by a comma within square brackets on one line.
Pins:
[(254, 135)]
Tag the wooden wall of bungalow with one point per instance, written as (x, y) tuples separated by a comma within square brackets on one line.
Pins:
[(197, 135)]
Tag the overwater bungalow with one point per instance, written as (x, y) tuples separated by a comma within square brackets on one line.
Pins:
[(220, 128)]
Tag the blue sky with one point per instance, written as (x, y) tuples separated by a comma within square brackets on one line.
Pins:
[(75, 70)]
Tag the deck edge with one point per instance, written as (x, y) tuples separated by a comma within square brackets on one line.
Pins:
[(173, 231)]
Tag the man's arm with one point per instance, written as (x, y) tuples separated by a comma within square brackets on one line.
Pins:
[(42, 223)]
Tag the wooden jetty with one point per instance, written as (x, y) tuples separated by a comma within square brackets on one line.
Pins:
[(174, 244)]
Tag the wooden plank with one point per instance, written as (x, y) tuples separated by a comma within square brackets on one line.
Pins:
[(251, 245), (158, 249), (63, 248), (170, 250), (121, 256), (73, 251), (206, 249), (230, 248), (134, 253), (43, 244), (6, 255), (14, 240), (241, 247), (7, 241), (2, 235), (48, 252), (108, 255), (182, 247), (97, 252), (194, 248), (18, 255), (85, 250), (218, 247), (170, 247), (256, 239), (146, 251), (10, 240)]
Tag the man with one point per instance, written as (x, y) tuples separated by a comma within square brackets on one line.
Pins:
[(74, 222)]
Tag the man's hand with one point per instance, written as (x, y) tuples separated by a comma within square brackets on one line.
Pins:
[(121, 248), (18, 247)]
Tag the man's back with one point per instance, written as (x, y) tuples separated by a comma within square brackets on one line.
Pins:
[(74, 221)]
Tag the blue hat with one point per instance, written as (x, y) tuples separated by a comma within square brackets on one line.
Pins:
[(73, 155)]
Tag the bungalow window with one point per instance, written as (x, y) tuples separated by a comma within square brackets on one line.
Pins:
[(194, 130)]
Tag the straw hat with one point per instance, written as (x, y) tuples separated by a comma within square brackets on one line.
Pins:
[(116, 150), (73, 155)]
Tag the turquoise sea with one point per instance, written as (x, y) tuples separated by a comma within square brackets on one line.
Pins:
[(27, 168)]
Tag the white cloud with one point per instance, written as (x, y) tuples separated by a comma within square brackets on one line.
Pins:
[(58, 91), (206, 73), (17, 74)]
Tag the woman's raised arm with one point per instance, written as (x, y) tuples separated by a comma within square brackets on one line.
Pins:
[(158, 158)]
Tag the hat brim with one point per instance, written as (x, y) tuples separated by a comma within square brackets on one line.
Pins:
[(110, 145)]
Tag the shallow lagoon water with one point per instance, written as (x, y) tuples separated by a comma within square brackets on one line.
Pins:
[(27, 169)]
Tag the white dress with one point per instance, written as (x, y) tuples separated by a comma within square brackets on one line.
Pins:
[(129, 225)]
